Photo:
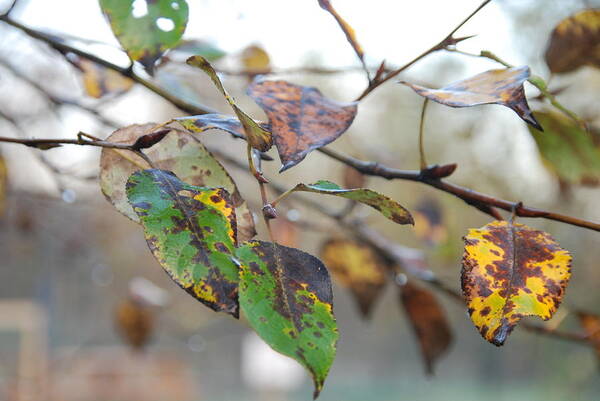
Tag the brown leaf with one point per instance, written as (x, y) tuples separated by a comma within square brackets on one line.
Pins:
[(429, 322), (502, 86), (135, 322), (301, 119), (575, 42), (591, 326), (357, 267), (429, 226), (348, 30), (353, 178)]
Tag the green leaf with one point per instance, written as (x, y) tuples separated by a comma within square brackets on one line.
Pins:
[(191, 232), (569, 151), (386, 206), (146, 33), (286, 295), (178, 152), (258, 137)]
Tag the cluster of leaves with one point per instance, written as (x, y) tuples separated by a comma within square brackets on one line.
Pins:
[(198, 226)]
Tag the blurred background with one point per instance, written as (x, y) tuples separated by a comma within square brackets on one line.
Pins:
[(87, 314)]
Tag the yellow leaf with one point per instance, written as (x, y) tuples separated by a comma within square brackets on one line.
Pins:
[(255, 58), (510, 271), (356, 267)]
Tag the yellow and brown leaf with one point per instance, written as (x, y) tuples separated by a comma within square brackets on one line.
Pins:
[(510, 271), (357, 267), (501, 86), (575, 42)]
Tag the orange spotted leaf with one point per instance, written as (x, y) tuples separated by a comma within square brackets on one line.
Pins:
[(575, 42), (301, 118), (503, 86), (429, 322), (510, 271), (357, 267)]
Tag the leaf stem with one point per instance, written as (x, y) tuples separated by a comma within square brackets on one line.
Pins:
[(423, 162)]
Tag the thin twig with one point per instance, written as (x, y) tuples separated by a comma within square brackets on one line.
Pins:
[(449, 40), (423, 162)]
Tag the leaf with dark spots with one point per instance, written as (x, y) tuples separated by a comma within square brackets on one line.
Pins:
[(177, 152), (258, 137), (591, 327), (575, 42), (510, 271), (386, 206), (502, 86), (429, 322), (300, 117), (429, 223), (357, 267), (568, 151), (146, 33), (286, 296), (205, 122), (174, 216)]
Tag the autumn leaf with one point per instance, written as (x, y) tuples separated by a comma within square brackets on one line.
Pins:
[(191, 232), (356, 267), (178, 152), (256, 59), (99, 81), (134, 322), (429, 322), (386, 206), (146, 32), (575, 42), (502, 86), (301, 119), (569, 151), (429, 226), (205, 122), (510, 271), (286, 296), (257, 136), (346, 28), (591, 326)]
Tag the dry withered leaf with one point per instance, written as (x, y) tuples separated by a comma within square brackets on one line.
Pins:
[(353, 178), (300, 117), (575, 42), (257, 136), (501, 86), (510, 271), (591, 326), (178, 152), (256, 59), (134, 322), (429, 226), (356, 267), (99, 81), (348, 30), (429, 322)]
